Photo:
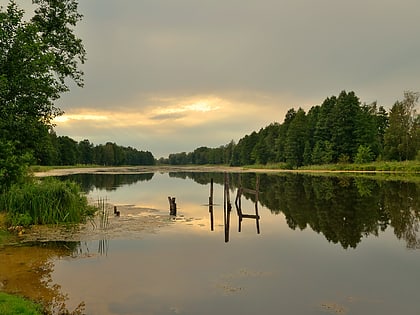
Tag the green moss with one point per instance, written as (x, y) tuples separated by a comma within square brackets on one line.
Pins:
[(15, 305)]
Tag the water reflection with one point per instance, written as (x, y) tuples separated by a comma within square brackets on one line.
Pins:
[(185, 268), (26, 270), (344, 209), (227, 206), (108, 182)]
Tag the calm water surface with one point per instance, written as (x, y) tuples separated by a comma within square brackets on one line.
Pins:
[(322, 245)]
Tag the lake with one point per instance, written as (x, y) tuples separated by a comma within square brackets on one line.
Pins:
[(288, 244)]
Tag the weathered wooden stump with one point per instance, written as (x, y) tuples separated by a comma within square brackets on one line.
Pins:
[(172, 206), (116, 212)]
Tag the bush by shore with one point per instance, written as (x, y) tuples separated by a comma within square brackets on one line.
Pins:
[(49, 201)]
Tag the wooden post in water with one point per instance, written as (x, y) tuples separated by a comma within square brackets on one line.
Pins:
[(172, 206), (226, 208)]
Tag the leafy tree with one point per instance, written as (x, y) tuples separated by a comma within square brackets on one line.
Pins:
[(36, 58), (228, 152), (366, 129), (109, 154), (85, 152), (68, 150), (400, 138), (201, 155), (12, 166)]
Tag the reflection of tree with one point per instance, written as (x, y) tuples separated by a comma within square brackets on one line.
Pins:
[(343, 208), (108, 182), (26, 270), (403, 205)]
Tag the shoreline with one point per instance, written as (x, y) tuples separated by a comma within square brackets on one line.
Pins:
[(195, 168)]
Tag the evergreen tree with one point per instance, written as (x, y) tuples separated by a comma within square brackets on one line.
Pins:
[(296, 138), (343, 127)]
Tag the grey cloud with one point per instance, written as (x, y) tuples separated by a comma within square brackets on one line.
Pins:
[(300, 49), (168, 116)]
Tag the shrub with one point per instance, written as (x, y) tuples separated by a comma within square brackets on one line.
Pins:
[(49, 201), (364, 155)]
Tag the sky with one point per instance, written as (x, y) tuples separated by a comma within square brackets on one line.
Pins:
[(169, 76)]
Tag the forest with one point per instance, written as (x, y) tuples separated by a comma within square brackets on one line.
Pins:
[(340, 130), (63, 150)]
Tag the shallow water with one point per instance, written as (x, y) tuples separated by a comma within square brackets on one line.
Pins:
[(336, 245)]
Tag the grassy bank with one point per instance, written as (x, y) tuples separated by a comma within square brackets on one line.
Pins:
[(49, 201), (404, 167), (15, 305), (397, 167)]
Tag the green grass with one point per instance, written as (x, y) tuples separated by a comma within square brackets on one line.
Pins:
[(382, 166), (49, 201), (15, 305)]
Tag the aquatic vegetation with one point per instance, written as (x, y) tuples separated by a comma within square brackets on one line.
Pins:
[(49, 201)]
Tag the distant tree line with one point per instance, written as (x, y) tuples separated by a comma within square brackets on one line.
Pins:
[(63, 150), (341, 129)]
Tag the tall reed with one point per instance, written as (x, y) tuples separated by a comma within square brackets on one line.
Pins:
[(49, 201)]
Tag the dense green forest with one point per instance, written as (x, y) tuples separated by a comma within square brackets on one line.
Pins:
[(63, 150), (341, 129)]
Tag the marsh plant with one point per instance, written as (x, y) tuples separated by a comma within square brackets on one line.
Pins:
[(103, 211), (49, 201)]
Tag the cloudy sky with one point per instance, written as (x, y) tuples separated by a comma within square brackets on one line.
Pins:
[(172, 75)]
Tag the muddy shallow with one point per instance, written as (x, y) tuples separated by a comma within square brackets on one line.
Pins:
[(131, 224)]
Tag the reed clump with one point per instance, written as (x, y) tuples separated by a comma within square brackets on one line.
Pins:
[(49, 201)]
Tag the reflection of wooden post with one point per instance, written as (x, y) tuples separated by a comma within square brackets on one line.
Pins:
[(226, 208), (257, 195), (172, 206), (239, 206), (229, 205), (211, 206)]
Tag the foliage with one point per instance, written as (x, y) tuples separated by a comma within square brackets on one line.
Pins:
[(14, 305), (36, 59), (69, 152), (50, 201), (13, 167), (401, 139), (364, 155)]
